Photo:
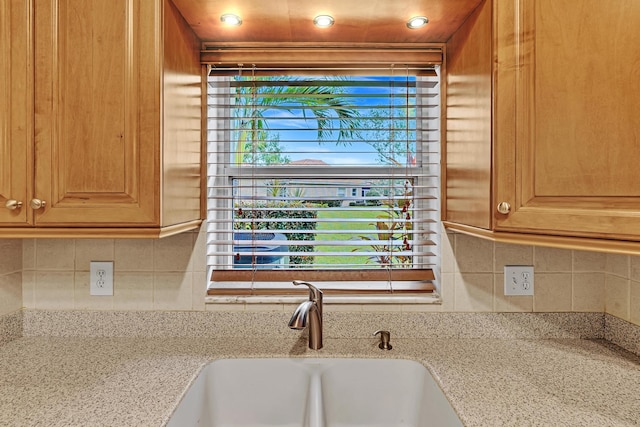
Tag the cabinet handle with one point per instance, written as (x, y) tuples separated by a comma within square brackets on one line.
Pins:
[(504, 208), (13, 204), (37, 204)]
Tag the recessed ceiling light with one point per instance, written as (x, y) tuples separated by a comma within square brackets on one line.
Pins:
[(417, 22), (231, 19), (323, 21)]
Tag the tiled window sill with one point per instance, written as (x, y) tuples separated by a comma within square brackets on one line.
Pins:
[(432, 298)]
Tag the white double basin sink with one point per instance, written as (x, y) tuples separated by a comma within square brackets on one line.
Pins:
[(314, 393)]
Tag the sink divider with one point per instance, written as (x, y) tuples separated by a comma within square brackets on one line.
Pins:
[(315, 406)]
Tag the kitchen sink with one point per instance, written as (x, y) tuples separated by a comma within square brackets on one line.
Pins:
[(314, 393)]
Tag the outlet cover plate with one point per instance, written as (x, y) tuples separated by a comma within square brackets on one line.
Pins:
[(101, 278), (518, 280)]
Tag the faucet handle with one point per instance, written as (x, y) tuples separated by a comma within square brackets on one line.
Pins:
[(385, 337), (315, 294)]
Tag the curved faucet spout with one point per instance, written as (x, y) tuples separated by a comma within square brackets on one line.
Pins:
[(300, 316)]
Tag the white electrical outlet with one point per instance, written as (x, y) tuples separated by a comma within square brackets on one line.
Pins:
[(518, 280), (101, 278)]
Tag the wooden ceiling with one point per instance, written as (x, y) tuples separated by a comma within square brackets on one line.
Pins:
[(356, 21)]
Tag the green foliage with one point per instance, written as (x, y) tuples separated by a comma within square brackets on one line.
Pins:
[(328, 203), (390, 131), (276, 188), (323, 104), (394, 142), (395, 232), (298, 193), (260, 212), (265, 150)]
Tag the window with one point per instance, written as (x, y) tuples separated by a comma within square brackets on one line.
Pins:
[(330, 177)]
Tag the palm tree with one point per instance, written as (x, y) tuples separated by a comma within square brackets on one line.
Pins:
[(259, 94)]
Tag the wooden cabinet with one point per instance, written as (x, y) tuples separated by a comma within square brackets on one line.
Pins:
[(16, 110), (542, 115), (116, 122)]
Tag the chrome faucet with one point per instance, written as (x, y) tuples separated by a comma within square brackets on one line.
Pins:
[(309, 312)]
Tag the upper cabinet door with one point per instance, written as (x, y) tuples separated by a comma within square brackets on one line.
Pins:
[(97, 105), (567, 121), (16, 111)]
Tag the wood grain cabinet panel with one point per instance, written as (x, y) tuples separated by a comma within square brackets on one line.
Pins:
[(16, 111), (567, 99), (565, 132), (112, 156)]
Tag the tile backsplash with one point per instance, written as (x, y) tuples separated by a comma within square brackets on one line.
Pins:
[(10, 275), (164, 274), (170, 274)]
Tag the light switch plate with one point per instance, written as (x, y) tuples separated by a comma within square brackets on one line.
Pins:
[(518, 280), (101, 278)]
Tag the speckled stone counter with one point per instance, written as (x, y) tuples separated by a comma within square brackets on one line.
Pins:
[(114, 368), (104, 381), (10, 327)]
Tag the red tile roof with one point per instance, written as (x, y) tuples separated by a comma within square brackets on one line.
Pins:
[(309, 162)]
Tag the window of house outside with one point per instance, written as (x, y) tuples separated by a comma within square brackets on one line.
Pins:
[(331, 178)]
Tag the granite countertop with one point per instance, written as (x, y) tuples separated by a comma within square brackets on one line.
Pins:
[(56, 381)]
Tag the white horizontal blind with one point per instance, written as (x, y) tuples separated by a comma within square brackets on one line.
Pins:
[(327, 172)]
